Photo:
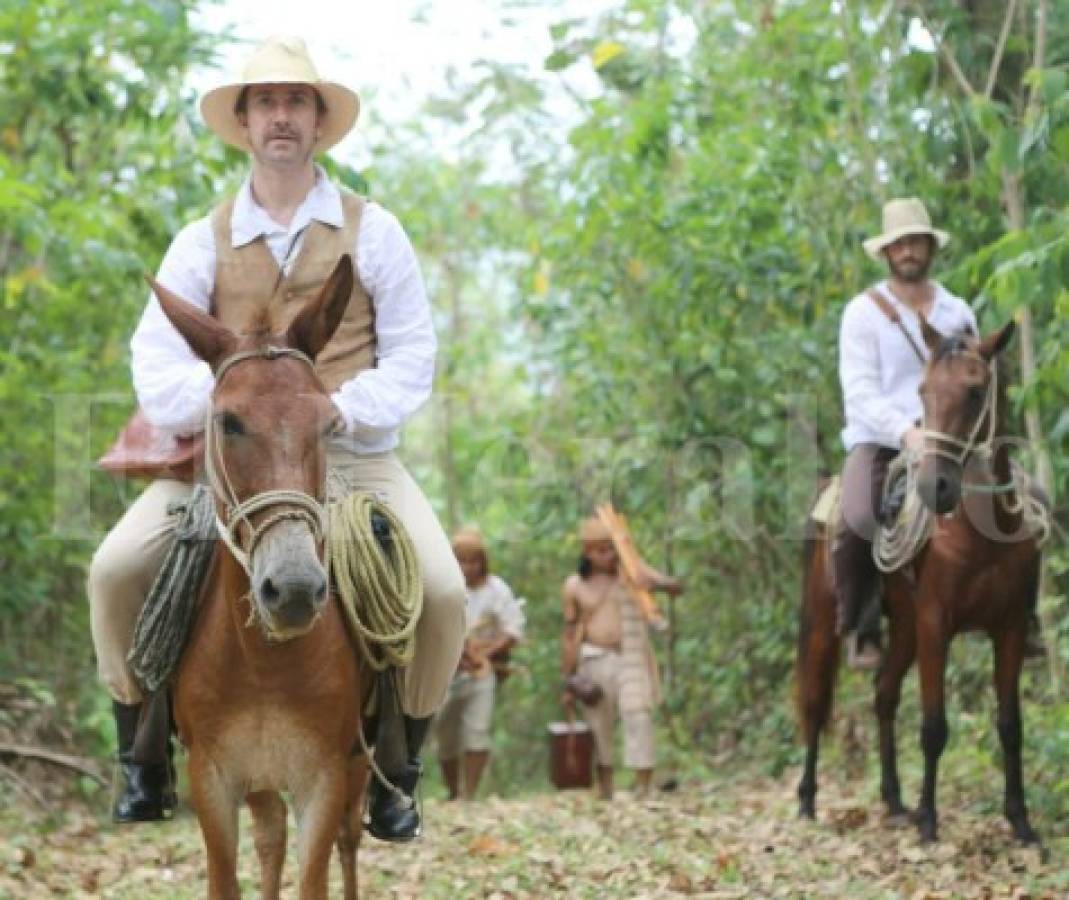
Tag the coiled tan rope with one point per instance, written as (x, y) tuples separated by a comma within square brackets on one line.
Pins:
[(381, 590)]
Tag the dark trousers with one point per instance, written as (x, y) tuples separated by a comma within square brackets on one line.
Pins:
[(864, 473)]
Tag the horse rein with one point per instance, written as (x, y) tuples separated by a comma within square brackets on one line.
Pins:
[(298, 505)]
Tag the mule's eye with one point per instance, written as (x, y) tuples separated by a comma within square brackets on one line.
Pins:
[(231, 425), (976, 393)]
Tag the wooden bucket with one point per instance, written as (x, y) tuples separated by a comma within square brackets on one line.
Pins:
[(571, 755)]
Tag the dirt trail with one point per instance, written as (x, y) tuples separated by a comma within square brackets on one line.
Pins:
[(735, 838)]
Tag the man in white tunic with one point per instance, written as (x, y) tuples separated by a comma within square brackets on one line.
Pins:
[(263, 252), (495, 626)]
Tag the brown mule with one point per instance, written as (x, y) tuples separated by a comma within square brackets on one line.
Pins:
[(268, 692), (979, 571)]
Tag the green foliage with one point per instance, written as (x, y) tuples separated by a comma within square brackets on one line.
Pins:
[(99, 166)]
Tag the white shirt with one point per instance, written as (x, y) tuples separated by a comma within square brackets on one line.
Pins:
[(173, 386), (493, 610), (879, 371)]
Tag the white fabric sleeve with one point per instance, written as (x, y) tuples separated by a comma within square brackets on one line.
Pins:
[(509, 610), (859, 374), (379, 400), (173, 385)]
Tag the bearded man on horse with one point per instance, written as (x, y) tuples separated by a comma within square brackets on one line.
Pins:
[(259, 255), (881, 365)]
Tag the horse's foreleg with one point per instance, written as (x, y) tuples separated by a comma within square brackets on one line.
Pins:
[(1009, 655), (352, 824), (216, 802), (319, 804), (931, 661), (900, 654), (269, 835)]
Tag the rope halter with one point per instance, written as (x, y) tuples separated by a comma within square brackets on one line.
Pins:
[(295, 504)]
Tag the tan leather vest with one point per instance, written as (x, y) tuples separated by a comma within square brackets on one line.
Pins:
[(250, 289)]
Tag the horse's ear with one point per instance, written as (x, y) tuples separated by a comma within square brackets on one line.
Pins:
[(996, 342), (315, 324), (932, 338), (207, 337)]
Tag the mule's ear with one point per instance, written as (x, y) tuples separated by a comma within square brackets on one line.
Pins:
[(996, 342), (315, 324), (208, 338), (932, 338)]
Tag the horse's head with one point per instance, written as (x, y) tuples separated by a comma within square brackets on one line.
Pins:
[(960, 398), (264, 452)]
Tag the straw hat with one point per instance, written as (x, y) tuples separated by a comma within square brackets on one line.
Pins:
[(593, 531), (280, 60), (470, 539), (901, 217)]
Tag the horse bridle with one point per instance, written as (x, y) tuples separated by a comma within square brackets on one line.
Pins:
[(296, 504), (958, 451)]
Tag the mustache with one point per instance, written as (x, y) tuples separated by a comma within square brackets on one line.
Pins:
[(281, 133)]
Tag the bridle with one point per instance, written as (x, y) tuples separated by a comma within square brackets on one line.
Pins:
[(958, 451), (294, 504)]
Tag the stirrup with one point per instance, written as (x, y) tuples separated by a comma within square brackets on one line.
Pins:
[(862, 654)]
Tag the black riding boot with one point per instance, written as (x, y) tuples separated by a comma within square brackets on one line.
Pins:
[(145, 791), (393, 818)]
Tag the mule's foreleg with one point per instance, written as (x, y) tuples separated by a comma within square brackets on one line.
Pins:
[(216, 801), (931, 656), (352, 825), (319, 803), (269, 835), (1009, 655), (900, 654)]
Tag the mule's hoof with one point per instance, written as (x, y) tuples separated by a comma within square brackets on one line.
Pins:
[(807, 810)]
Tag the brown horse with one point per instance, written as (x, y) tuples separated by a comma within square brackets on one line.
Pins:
[(978, 571), (269, 692)]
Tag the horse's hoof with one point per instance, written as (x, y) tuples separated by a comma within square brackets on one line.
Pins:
[(1026, 834), (929, 834), (807, 811), (900, 818)]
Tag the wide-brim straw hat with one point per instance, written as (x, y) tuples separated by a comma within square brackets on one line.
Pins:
[(901, 217), (469, 538), (281, 60)]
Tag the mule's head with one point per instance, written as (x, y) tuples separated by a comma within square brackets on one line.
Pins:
[(959, 396), (265, 456)]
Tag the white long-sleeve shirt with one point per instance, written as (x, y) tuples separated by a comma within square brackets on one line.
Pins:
[(494, 610), (173, 386), (879, 371)]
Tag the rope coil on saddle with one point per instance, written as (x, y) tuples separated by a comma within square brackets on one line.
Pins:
[(163, 625), (378, 579)]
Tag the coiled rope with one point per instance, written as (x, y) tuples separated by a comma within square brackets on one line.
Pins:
[(377, 578)]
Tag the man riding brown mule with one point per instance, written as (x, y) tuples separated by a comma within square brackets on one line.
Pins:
[(265, 251), (975, 570), (268, 695)]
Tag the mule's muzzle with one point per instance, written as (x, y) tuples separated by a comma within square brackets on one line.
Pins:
[(292, 600)]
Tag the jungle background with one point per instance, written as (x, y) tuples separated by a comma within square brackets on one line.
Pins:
[(636, 300)]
